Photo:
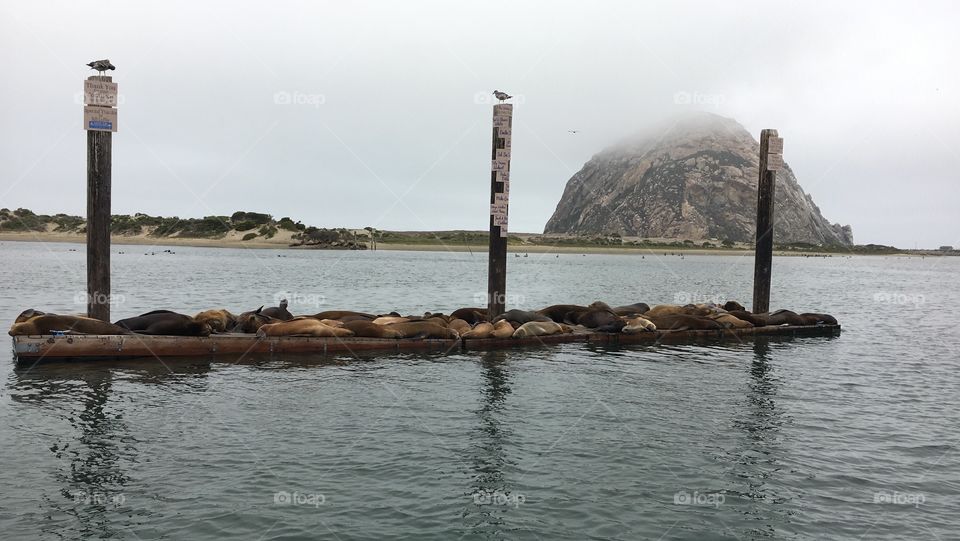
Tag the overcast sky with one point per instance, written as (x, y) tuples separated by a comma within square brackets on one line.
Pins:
[(389, 124)]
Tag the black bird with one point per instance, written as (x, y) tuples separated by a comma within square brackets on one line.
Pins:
[(502, 96), (573, 131), (101, 65)]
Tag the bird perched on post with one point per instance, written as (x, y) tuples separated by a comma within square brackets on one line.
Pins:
[(502, 96), (101, 65)]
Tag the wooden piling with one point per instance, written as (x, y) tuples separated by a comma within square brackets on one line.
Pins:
[(771, 148), (99, 147), (499, 194)]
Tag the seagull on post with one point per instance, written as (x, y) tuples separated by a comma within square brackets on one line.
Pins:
[(502, 96), (101, 65)]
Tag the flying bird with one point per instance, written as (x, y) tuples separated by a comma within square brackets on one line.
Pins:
[(101, 65), (502, 96), (573, 131)]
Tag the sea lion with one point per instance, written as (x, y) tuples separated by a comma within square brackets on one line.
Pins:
[(279, 312), (730, 306), (683, 322), (599, 305), (386, 320), (48, 323), (330, 322), (638, 308), (785, 317), (730, 321), (302, 327), (538, 328), (28, 314), (423, 329), (558, 312), (249, 322), (483, 329), (341, 314), (521, 316), (818, 319), (369, 329), (459, 325), (636, 325), (595, 319), (502, 329), (218, 320), (665, 310), (470, 315), (758, 320), (165, 322)]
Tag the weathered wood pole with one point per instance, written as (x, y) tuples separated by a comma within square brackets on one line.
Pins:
[(499, 197), (99, 146), (771, 158)]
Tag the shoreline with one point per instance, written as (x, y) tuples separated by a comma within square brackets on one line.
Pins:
[(261, 244)]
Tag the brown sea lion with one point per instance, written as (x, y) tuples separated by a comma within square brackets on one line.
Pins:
[(502, 329), (423, 329), (595, 319), (329, 322), (521, 316), (48, 323), (218, 320), (811, 318), (459, 325), (483, 329), (758, 320), (437, 321), (165, 323), (249, 322), (278, 312), (638, 308), (386, 320), (785, 317), (599, 305), (665, 310), (730, 321), (730, 306), (302, 327), (342, 314), (470, 315), (637, 325), (369, 329), (683, 322), (558, 312), (538, 328), (28, 314)]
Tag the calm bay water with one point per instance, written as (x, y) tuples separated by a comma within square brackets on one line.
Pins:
[(850, 437)]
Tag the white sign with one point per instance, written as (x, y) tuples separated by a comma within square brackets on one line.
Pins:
[(99, 118), (774, 162), (775, 145), (100, 93), (503, 154), (498, 165)]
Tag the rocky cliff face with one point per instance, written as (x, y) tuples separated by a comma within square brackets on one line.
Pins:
[(695, 180)]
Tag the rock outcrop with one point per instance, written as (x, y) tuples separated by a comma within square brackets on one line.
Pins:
[(695, 179)]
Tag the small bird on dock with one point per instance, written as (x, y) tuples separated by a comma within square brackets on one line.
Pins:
[(101, 65), (502, 96)]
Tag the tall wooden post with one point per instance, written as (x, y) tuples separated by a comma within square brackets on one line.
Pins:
[(771, 160), (499, 198), (99, 121)]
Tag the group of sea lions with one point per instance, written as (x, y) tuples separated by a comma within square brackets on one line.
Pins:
[(468, 323)]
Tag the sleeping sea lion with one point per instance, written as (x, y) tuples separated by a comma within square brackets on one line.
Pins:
[(302, 327), (342, 314), (502, 329), (785, 317), (637, 325), (369, 329), (27, 314), (818, 319), (758, 320), (249, 322), (539, 328), (218, 320), (47, 323), (683, 322), (594, 319), (165, 322), (470, 315), (730, 321), (423, 329), (730, 306), (386, 320), (482, 330), (638, 308), (459, 325), (521, 316), (558, 312), (278, 312)]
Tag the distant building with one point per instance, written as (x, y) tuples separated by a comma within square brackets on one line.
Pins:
[(946, 248)]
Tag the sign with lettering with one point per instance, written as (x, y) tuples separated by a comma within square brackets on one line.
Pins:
[(100, 93), (774, 162), (775, 145), (99, 118)]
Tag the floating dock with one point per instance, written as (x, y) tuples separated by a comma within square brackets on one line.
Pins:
[(82, 347)]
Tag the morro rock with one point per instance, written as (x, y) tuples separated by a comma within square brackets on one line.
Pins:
[(693, 178)]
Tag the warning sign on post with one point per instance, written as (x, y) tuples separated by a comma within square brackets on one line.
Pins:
[(99, 118)]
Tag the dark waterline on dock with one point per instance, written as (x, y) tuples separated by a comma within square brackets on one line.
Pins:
[(798, 438)]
